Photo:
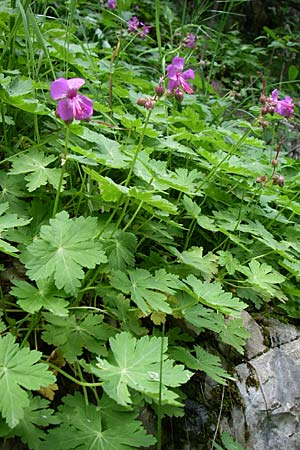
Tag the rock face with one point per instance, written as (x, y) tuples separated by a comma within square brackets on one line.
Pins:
[(269, 386)]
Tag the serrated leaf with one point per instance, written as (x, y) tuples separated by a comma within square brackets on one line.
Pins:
[(235, 334), (149, 292), (34, 163), (213, 295), (231, 331), (18, 370), (207, 264), (74, 333), (195, 212), (137, 365), (153, 200), (229, 443), (63, 249), (8, 221), (203, 361), (37, 416), (32, 299), (88, 428), (263, 278), (106, 151), (120, 250), (110, 191)]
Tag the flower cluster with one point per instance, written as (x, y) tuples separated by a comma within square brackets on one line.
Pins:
[(271, 105), (111, 4), (71, 105), (135, 26), (178, 78)]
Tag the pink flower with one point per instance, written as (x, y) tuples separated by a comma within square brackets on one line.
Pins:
[(283, 107), (133, 25), (111, 4), (177, 78), (71, 105)]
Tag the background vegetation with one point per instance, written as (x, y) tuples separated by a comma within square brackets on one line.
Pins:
[(131, 242)]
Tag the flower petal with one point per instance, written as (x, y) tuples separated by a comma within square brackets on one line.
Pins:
[(186, 86), (59, 88), (275, 95), (172, 72), (75, 83), (188, 74), (83, 107), (65, 109), (172, 85), (178, 63)]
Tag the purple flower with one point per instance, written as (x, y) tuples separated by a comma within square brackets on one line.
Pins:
[(177, 78), (283, 107), (189, 41), (145, 30), (133, 25), (71, 105), (112, 4)]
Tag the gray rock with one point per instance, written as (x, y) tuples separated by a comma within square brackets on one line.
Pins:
[(269, 386), (255, 344)]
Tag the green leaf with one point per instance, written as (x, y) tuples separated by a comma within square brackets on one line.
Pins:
[(35, 164), (90, 428), (153, 200), (106, 151), (234, 333), (120, 250), (213, 295), (207, 265), (263, 278), (148, 292), (63, 249), (292, 72), (8, 221), (74, 333), (37, 416), (231, 331), (32, 299), (136, 365), (203, 360), (19, 370), (229, 443), (195, 212), (110, 191)]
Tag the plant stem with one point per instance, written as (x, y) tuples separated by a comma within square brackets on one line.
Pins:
[(65, 374), (63, 169), (159, 415), (157, 27)]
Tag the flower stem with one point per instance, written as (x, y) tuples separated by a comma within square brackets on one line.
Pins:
[(63, 169), (67, 375)]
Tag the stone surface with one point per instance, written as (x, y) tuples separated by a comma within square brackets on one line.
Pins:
[(255, 344), (269, 385)]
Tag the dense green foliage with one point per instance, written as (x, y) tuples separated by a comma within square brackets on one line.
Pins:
[(132, 242)]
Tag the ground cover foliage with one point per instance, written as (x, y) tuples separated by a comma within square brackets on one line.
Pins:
[(130, 236)]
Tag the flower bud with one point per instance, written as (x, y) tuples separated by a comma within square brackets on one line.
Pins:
[(178, 95), (264, 110), (262, 179), (262, 98), (159, 90), (278, 179), (274, 162), (141, 101), (149, 103), (271, 110)]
